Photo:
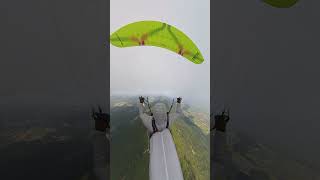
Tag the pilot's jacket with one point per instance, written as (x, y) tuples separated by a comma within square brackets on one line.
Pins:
[(164, 163)]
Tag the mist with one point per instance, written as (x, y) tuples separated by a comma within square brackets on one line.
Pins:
[(52, 53), (266, 69), (156, 71)]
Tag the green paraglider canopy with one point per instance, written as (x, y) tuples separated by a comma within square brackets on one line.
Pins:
[(159, 34), (281, 3)]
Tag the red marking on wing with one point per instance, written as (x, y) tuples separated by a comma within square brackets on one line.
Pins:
[(182, 51), (186, 52), (141, 41), (144, 37), (135, 39)]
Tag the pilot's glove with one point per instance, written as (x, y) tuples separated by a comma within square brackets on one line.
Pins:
[(179, 99), (141, 99)]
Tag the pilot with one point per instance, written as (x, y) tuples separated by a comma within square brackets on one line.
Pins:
[(101, 145), (160, 118), (221, 157), (164, 162), (221, 121)]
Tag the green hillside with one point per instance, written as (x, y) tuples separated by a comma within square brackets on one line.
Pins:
[(129, 143), (193, 148), (129, 159), (255, 161)]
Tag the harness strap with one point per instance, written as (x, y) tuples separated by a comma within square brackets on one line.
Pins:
[(154, 126), (167, 126), (171, 105)]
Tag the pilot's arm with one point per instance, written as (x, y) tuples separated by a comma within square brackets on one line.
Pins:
[(178, 112), (145, 118)]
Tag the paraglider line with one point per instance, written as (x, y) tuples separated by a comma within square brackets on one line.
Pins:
[(174, 36), (144, 37), (151, 33), (181, 49), (171, 106), (149, 106), (119, 39), (195, 56)]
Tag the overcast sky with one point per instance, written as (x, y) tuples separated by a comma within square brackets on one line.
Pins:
[(265, 60), (266, 68), (152, 70), (52, 52)]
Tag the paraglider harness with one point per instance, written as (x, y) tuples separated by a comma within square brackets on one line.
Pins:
[(221, 120), (102, 120), (154, 126)]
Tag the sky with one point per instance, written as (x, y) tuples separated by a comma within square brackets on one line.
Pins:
[(53, 53), (266, 69), (152, 70), (265, 61)]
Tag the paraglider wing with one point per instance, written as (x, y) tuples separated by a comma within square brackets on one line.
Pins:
[(281, 3), (159, 34)]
